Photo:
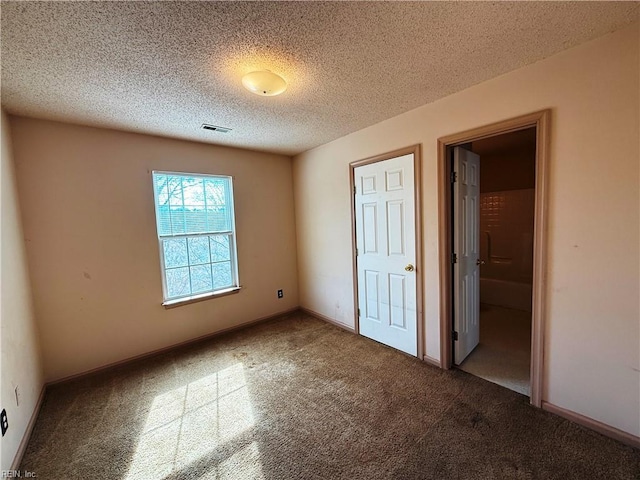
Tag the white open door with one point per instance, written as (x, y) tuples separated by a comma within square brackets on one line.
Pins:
[(466, 249), (386, 252)]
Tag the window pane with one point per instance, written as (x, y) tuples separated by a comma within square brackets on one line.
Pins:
[(196, 221), (191, 204), (215, 191), (178, 282), (220, 248), (218, 219), (193, 191), (222, 275), (177, 220), (175, 190), (198, 250), (163, 219), (175, 252), (201, 278), (162, 194), (162, 204)]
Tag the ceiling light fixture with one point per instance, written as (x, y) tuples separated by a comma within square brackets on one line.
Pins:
[(264, 83)]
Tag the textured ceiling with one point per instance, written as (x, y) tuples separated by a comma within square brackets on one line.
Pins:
[(167, 67)]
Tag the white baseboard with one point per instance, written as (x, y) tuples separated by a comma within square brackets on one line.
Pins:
[(17, 460), (607, 430)]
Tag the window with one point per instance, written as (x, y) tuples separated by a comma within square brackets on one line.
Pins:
[(196, 234)]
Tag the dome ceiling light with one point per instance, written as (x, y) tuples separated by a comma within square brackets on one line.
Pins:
[(264, 83)]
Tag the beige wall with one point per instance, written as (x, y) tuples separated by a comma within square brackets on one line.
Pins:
[(87, 206), (592, 360), (20, 364)]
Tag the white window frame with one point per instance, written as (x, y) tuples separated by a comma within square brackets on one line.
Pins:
[(169, 302)]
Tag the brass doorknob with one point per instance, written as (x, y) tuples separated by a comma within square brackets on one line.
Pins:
[(409, 268)]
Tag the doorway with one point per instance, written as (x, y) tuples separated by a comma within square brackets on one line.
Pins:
[(461, 304), (494, 341), (386, 232)]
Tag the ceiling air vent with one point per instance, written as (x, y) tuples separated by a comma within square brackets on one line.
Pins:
[(215, 128)]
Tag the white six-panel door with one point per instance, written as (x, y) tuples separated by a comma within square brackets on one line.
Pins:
[(386, 252), (466, 247)]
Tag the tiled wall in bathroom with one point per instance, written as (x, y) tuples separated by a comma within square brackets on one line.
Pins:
[(506, 235)]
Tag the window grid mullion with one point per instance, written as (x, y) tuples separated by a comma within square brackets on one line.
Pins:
[(211, 258), (165, 286), (169, 206), (184, 214), (204, 195), (189, 268), (220, 261), (232, 260), (227, 196), (187, 235), (211, 266)]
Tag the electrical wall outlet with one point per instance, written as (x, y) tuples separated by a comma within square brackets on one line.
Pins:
[(280, 294), (4, 423)]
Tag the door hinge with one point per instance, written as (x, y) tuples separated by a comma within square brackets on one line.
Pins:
[(454, 258), (455, 336), (454, 177), (357, 252), (354, 190), (358, 313)]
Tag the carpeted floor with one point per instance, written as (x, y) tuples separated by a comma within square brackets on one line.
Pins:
[(503, 355), (296, 398)]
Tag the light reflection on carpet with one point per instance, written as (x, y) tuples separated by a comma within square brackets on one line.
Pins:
[(188, 423)]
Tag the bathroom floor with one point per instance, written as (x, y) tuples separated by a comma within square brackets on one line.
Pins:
[(503, 355)]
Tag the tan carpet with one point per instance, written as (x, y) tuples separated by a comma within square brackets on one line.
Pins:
[(503, 355), (296, 398)]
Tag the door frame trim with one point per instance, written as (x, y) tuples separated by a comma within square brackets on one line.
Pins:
[(416, 150), (541, 121)]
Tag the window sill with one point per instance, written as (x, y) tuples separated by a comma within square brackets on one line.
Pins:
[(199, 298)]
